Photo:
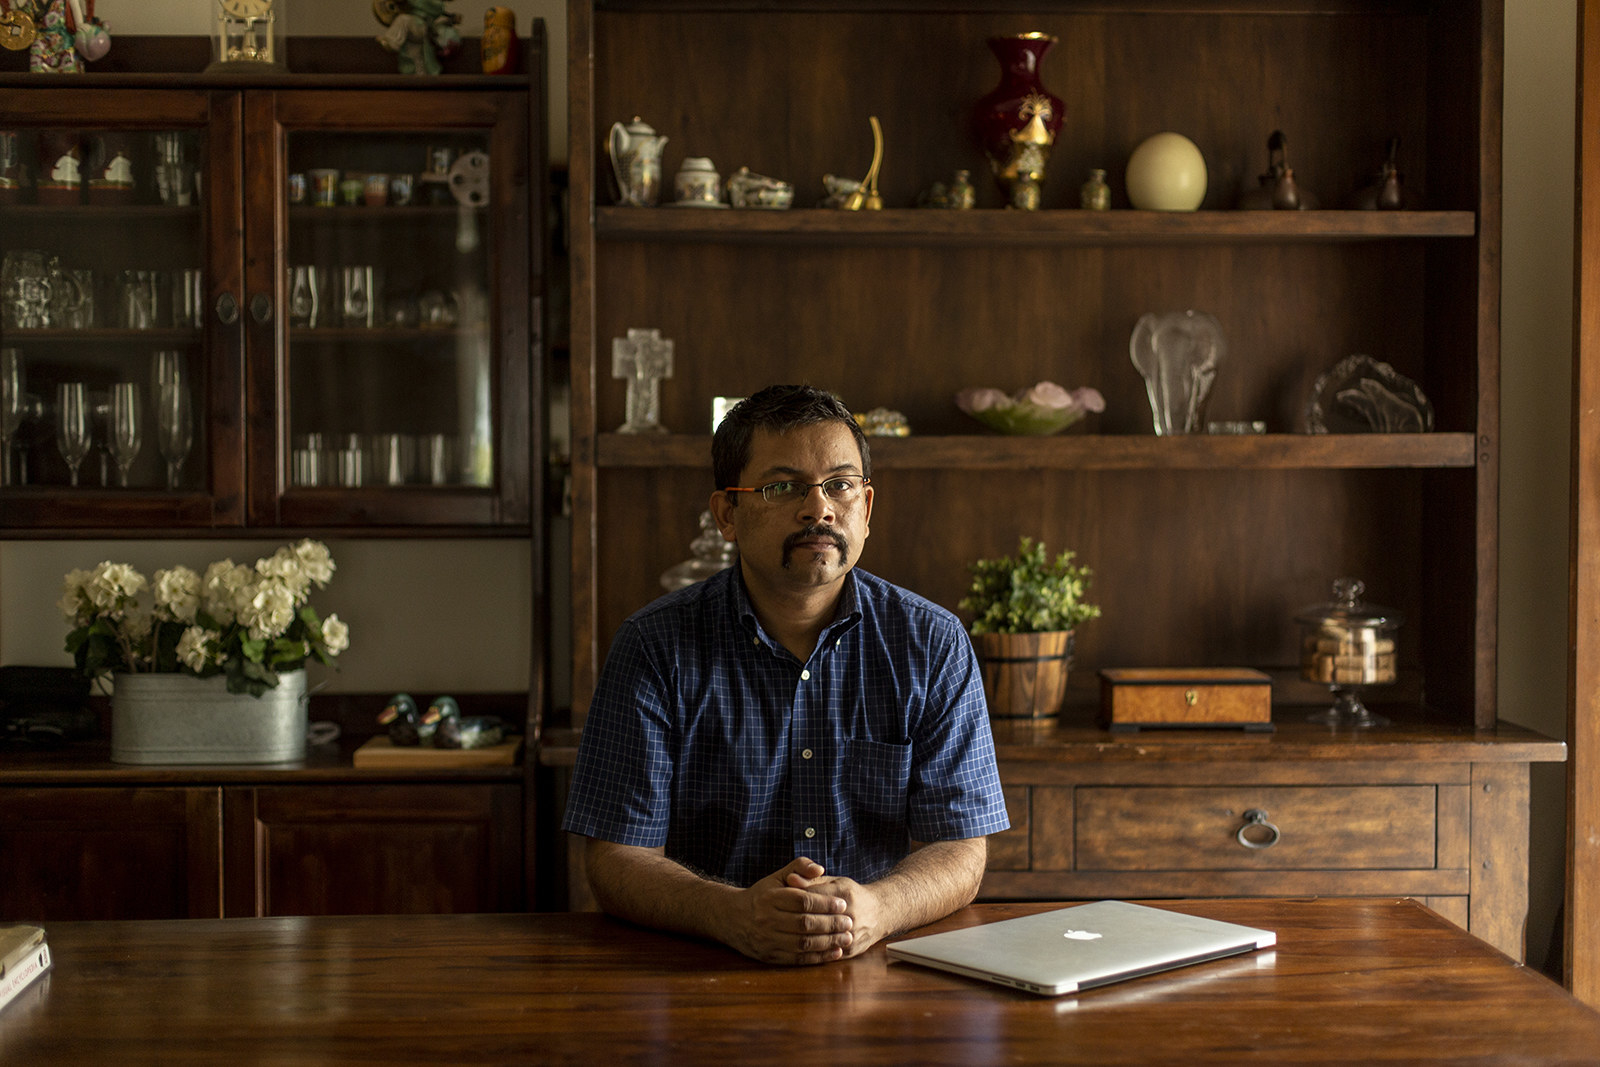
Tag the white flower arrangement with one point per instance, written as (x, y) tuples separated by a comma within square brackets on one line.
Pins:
[(246, 622)]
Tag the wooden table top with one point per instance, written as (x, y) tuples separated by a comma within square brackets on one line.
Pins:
[(1349, 981)]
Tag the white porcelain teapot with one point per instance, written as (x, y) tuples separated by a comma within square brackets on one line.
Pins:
[(636, 161)]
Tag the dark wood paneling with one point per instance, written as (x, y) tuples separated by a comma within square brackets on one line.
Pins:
[(110, 853), (1122, 76), (1008, 851), (303, 850)]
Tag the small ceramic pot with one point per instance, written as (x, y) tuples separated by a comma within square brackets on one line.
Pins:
[(698, 182)]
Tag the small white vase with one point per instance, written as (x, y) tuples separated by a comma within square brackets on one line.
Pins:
[(177, 718)]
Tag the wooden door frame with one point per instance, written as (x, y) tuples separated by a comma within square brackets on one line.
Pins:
[(1582, 946)]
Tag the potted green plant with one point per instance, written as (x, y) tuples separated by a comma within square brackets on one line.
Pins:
[(1025, 612)]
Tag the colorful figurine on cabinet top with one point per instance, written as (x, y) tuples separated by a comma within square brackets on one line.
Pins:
[(60, 35), (499, 43), (420, 33)]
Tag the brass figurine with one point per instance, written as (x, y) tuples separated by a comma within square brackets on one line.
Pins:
[(865, 197)]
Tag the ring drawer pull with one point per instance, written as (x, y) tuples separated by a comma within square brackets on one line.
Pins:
[(1250, 837)]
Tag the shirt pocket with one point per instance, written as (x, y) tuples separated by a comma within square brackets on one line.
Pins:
[(877, 778)]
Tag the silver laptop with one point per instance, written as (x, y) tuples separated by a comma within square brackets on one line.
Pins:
[(1075, 948)]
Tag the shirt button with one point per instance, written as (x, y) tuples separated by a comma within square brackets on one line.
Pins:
[(805, 676), (805, 753), (810, 832)]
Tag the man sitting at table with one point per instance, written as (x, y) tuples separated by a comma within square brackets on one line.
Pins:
[(792, 757)]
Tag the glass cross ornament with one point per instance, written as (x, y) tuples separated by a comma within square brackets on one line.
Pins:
[(643, 358)]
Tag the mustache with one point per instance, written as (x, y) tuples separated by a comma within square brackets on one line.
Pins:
[(811, 533)]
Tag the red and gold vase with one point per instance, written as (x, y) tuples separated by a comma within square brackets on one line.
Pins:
[(1017, 121)]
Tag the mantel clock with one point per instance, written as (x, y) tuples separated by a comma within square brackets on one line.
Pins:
[(248, 36)]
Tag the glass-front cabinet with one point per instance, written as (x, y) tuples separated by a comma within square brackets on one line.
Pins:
[(266, 307), (114, 372)]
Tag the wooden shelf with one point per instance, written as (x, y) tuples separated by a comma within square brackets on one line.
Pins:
[(353, 214), (98, 214), (1097, 452), (379, 334), (162, 335), (998, 227)]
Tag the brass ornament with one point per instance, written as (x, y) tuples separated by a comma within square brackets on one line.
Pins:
[(17, 30), (866, 197)]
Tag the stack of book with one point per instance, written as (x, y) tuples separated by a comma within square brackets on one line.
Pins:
[(24, 956)]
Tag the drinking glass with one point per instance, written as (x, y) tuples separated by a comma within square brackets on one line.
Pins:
[(304, 301), (13, 406), (72, 425), (139, 299), (127, 427), (356, 288)]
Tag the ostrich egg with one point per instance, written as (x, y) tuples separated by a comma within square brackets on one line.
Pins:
[(1166, 173)]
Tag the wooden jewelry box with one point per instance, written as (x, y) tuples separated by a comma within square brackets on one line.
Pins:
[(1135, 698)]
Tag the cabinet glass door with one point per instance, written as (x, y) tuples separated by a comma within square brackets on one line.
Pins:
[(105, 271), (404, 314), (388, 311)]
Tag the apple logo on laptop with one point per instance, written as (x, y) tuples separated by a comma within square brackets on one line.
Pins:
[(1081, 935)]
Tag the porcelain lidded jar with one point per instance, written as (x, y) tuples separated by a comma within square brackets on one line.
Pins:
[(1016, 122), (698, 183)]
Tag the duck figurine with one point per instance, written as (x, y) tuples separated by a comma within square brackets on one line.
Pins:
[(401, 717), (440, 721), (458, 731)]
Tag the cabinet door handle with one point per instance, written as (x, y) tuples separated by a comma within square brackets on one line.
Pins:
[(1257, 832), (227, 309), (261, 308)]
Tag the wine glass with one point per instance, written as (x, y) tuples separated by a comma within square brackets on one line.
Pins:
[(72, 425), (126, 434), (13, 406)]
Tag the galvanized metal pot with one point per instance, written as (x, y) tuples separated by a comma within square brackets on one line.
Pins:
[(177, 718)]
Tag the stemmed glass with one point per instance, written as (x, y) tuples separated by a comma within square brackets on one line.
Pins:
[(174, 412), (13, 406), (72, 425), (126, 435)]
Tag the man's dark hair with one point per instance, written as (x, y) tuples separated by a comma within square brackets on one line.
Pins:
[(779, 409)]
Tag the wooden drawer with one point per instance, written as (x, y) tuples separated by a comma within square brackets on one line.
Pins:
[(1156, 828), (1009, 850)]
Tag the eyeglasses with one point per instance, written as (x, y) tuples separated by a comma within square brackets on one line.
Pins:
[(841, 490)]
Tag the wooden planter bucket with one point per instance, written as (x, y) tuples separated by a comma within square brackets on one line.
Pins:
[(1025, 675)]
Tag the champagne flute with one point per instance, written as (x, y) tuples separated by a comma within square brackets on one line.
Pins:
[(72, 425), (13, 406), (167, 365), (127, 428), (169, 382), (174, 428)]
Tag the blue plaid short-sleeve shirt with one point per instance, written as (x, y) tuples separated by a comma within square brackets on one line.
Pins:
[(707, 736)]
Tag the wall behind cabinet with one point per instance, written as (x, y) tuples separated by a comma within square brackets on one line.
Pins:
[(427, 616)]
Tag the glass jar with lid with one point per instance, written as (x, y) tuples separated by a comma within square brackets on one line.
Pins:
[(1348, 644)]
